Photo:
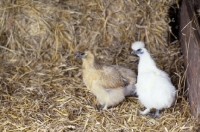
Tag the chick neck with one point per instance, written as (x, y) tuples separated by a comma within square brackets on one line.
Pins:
[(146, 63)]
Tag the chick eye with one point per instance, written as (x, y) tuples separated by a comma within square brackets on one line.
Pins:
[(139, 50), (82, 54)]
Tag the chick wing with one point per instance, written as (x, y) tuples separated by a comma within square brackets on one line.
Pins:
[(110, 77), (129, 76)]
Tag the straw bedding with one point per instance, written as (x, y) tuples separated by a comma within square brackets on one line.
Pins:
[(40, 80)]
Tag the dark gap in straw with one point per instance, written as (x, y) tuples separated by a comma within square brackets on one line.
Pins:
[(174, 14)]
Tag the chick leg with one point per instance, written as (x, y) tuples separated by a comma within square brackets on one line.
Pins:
[(145, 111), (100, 106), (103, 105), (156, 113)]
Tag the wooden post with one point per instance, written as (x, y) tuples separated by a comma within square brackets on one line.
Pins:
[(190, 41)]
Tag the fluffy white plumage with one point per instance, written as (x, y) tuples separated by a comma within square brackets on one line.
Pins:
[(154, 87)]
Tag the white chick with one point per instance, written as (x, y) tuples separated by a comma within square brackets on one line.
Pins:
[(153, 87)]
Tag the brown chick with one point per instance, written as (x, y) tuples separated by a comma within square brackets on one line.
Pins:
[(110, 84)]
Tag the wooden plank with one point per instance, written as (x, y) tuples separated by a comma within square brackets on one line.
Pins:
[(192, 15), (190, 42)]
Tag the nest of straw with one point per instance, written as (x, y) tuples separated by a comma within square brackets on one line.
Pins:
[(40, 80)]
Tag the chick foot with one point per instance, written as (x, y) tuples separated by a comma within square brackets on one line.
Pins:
[(105, 107), (145, 112), (154, 115)]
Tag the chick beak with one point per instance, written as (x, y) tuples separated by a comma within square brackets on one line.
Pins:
[(137, 52), (81, 55), (78, 55), (133, 52)]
